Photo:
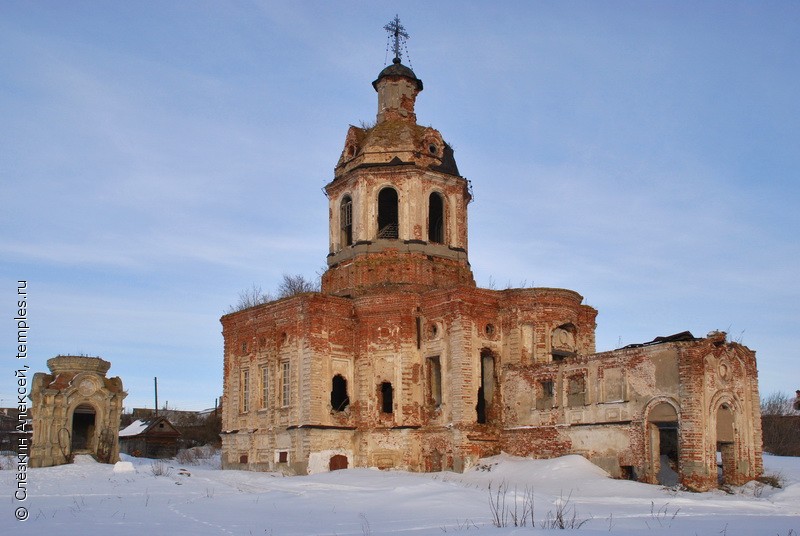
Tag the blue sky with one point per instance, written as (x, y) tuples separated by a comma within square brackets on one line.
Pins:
[(159, 157)]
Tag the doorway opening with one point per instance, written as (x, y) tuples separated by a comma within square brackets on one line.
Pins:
[(663, 427), (83, 426), (726, 452)]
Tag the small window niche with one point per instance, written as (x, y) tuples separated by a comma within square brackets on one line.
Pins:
[(434, 382), (340, 401)]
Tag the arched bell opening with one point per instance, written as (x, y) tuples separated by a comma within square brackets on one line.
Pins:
[(388, 224), (436, 218)]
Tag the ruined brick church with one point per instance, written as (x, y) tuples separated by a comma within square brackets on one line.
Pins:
[(401, 361)]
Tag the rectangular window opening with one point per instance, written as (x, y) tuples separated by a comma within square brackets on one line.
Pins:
[(244, 390), (286, 383), (387, 398), (546, 395), (264, 391)]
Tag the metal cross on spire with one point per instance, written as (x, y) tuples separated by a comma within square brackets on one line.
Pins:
[(399, 34)]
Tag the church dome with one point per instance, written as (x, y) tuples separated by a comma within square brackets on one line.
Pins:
[(398, 69)]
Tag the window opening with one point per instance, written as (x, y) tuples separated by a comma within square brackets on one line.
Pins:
[(339, 398), (436, 218), (283, 457), (285, 384), (486, 390), (264, 391), (546, 395), (346, 221), (244, 389), (387, 214), (387, 394)]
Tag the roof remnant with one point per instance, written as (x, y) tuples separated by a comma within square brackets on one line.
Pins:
[(683, 336)]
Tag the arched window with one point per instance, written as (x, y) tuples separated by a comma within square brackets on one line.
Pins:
[(339, 398), (436, 218), (346, 221), (387, 214)]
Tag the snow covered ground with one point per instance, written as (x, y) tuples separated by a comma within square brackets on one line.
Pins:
[(88, 498)]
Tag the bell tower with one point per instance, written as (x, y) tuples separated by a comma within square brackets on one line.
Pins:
[(397, 204)]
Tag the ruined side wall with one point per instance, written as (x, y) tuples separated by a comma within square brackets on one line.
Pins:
[(603, 422), (611, 422), (311, 334)]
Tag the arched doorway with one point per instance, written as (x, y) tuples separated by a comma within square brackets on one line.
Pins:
[(726, 452), (337, 462), (83, 426), (662, 424)]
